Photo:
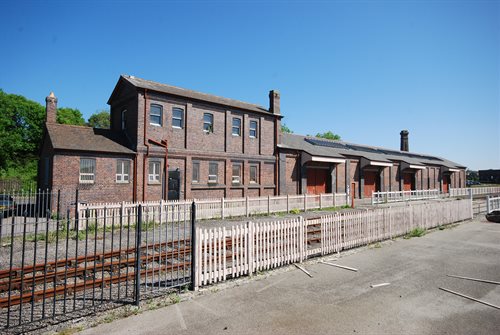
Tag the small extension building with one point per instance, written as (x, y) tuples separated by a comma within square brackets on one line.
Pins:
[(489, 176), (166, 142)]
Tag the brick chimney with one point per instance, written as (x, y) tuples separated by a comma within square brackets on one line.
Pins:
[(274, 102), (51, 108), (404, 140)]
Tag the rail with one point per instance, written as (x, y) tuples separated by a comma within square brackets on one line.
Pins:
[(398, 196)]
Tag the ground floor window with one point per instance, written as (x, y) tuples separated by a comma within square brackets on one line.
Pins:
[(253, 174), (87, 170), (154, 172), (212, 173), (236, 179), (196, 172), (122, 171)]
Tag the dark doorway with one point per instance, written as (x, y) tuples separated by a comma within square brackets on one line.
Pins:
[(408, 181), (446, 183), (316, 181), (174, 182)]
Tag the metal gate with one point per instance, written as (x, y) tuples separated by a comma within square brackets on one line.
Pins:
[(56, 265)]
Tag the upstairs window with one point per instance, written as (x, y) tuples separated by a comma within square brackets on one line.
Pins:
[(253, 129), (208, 123), (154, 172), (236, 127), (236, 173), (253, 174), (156, 115), (177, 117), (124, 119), (87, 170), (122, 171), (212, 173), (196, 172)]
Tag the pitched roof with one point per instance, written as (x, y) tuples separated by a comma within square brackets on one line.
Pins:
[(78, 138), (182, 92), (331, 148)]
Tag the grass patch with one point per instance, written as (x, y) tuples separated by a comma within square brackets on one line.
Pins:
[(295, 211), (417, 232)]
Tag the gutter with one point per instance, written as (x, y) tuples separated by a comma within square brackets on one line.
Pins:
[(147, 147)]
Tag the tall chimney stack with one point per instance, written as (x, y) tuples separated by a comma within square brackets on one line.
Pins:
[(274, 102), (404, 140), (51, 108)]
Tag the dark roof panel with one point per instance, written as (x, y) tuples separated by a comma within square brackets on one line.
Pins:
[(78, 138)]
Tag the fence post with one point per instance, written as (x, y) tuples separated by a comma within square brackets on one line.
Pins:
[(334, 199), (471, 207), (268, 205), (250, 245), (77, 215), (246, 206), (138, 256), (373, 198), (222, 208), (288, 203), (194, 280), (302, 240), (488, 204), (320, 200), (305, 202)]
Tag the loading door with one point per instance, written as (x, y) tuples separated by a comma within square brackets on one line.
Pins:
[(407, 181), (446, 183), (316, 181), (370, 183), (174, 181)]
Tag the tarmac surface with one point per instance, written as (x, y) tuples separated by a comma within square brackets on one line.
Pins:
[(339, 301)]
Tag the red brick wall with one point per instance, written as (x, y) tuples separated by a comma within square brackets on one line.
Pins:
[(292, 174)]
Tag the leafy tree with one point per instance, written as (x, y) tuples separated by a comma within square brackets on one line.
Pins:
[(285, 129), (21, 129), (70, 116), (328, 135), (100, 120)]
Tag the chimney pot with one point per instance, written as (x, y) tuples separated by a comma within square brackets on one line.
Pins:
[(51, 108), (274, 102)]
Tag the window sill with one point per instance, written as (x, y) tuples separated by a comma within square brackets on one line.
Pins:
[(234, 135), (155, 124), (157, 183), (175, 127)]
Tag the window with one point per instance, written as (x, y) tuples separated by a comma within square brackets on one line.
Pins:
[(212, 173), (253, 129), (236, 173), (208, 123), (87, 170), (196, 172), (155, 115), (154, 172), (122, 171), (124, 119), (236, 127), (253, 174), (177, 117)]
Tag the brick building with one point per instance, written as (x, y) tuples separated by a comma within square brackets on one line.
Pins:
[(167, 142)]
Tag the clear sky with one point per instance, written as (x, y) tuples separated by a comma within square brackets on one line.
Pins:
[(362, 69)]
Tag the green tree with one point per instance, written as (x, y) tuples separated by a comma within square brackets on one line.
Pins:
[(285, 129), (329, 136), (100, 120), (21, 130), (70, 116)]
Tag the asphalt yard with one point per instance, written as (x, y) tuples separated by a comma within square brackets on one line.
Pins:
[(340, 301)]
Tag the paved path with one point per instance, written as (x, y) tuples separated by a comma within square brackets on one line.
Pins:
[(341, 301)]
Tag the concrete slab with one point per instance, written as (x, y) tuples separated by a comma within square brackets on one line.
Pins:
[(338, 301)]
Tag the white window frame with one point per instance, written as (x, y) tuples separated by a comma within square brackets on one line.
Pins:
[(210, 125), (87, 177), (256, 181), (212, 178), (236, 178), (253, 129), (181, 118), (195, 167), (154, 177), (151, 114), (236, 127), (124, 119), (121, 176)]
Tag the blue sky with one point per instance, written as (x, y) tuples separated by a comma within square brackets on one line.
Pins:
[(362, 69)]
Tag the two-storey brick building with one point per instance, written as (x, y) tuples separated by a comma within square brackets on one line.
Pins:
[(165, 142)]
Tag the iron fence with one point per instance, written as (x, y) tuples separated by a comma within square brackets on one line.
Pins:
[(57, 264)]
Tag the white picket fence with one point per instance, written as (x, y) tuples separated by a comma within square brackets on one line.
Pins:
[(246, 248), (492, 204), (169, 211), (398, 196), (454, 192)]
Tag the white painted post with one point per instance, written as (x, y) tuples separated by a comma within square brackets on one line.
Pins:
[(334, 200), (287, 203), (268, 205), (246, 206), (471, 207), (222, 207), (250, 242), (320, 200), (305, 202), (488, 208)]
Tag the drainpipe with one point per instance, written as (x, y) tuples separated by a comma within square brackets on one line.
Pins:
[(134, 182), (276, 154), (147, 147)]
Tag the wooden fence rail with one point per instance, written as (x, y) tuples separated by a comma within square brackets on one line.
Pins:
[(475, 191), (492, 204), (398, 196), (246, 248)]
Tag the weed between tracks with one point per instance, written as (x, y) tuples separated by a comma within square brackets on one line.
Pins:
[(417, 232)]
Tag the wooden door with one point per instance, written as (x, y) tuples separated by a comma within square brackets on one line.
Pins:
[(370, 183), (316, 181), (446, 183), (407, 181)]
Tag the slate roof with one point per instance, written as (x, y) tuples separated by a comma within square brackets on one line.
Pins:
[(341, 149), (182, 92), (78, 138)]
